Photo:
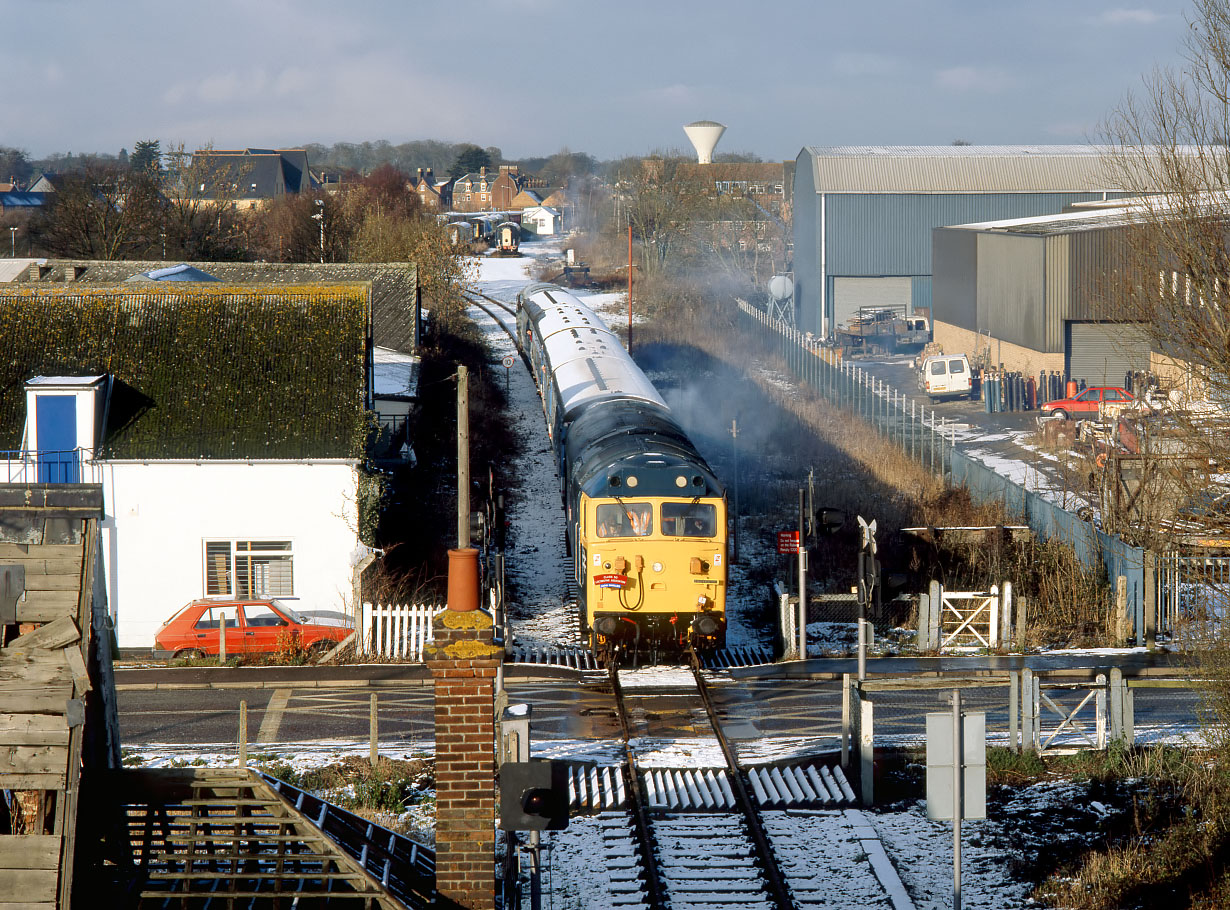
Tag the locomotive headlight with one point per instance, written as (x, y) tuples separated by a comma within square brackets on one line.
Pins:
[(681, 481), (632, 481), (658, 567), (703, 602)]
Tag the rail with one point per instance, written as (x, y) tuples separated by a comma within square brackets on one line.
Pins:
[(640, 815), (764, 851), (404, 868)]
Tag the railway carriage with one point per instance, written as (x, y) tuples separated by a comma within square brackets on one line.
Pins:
[(646, 517)]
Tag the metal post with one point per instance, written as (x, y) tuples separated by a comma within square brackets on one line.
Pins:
[(862, 647), (373, 733), (535, 870), (221, 635), (802, 585), (463, 457), (243, 734), (847, 701), (1014, 710), (957, 802)]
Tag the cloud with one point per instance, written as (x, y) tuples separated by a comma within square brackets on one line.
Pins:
[(671, 94), (987, 80), (1129, 17), (856, 64)]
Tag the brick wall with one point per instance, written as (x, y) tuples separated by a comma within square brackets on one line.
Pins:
[(463, 661)]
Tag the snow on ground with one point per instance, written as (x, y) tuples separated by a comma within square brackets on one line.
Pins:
[(537, 568)]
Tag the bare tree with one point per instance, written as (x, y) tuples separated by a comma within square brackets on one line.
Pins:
[(102, 212)]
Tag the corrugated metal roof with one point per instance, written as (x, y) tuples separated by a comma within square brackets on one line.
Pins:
[(959, 169)]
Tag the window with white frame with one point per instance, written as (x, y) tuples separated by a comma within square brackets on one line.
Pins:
[(249, 568)]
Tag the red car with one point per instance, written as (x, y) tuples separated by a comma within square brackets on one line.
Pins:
[(252, 627), (1085, 404)]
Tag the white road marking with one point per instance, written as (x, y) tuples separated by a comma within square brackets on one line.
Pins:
[(273, 716)]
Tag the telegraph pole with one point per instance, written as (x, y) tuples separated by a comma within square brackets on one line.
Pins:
[(629, 286), (734, 525), (463, 458), (802, 584)]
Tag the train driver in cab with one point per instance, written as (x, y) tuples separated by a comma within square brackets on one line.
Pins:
[(639, 519)]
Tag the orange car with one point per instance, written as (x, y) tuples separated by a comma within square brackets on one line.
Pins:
[(252, 627)]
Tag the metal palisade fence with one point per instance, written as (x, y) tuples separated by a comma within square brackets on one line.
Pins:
[(895, 416), (932, 442)]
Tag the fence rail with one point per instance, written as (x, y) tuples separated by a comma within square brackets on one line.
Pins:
[(931, 441), (66, 466), (396, 630)]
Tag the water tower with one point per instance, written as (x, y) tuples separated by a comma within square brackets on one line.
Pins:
[(704, 135), (781, 296)]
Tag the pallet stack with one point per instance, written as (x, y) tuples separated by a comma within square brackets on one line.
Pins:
[(51, 675)]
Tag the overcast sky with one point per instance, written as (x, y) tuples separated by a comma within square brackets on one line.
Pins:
[(535, 76)]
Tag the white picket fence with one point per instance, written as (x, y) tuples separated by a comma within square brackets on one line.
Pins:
[(397, 630)]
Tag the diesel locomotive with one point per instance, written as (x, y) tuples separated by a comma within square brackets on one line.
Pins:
[(645, 515)]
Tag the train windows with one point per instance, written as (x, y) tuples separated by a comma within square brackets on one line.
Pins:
[(628, 519), (687, 519)]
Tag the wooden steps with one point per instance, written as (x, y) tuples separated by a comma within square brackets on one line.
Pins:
[(200, 835)]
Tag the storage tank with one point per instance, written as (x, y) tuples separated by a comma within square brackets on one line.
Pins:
[(704, 135)]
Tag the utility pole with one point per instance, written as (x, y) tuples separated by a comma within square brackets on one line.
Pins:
[(463, 458), (734, 525), (320, 216), (629, 286), (802, 583)]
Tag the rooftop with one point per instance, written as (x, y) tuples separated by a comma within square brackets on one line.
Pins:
[(208, 371)]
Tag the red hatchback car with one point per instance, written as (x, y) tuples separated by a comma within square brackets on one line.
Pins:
[(252, 627), (1085, 404)]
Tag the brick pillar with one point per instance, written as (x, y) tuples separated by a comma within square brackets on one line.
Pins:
[(463, 660)]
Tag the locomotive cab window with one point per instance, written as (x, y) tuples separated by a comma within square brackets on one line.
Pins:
[(687, 519), (628, 519)]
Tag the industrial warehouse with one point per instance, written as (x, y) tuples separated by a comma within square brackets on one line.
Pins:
[(863, 216)]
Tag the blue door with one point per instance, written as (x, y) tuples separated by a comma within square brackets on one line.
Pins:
[(56, 424)]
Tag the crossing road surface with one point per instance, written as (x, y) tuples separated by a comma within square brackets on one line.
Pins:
[(577, 709)]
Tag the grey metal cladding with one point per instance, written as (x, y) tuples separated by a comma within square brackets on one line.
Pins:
[(954, 282), (1012, 288), (872, 235)]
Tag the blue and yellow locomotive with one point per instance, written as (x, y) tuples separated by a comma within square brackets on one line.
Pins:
[(646, 517)]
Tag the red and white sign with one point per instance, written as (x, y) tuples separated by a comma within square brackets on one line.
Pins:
[(787, 542), (611, 580)]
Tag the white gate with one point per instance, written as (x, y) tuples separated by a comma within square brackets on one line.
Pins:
[(397, 630), (969, 618)]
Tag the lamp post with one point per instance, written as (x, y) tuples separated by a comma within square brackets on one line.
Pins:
[(320, 216), (13, 242)]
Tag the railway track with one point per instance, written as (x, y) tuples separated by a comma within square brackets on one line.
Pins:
[(569, 653), (720, 857)]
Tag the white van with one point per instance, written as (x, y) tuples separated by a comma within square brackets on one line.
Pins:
[(945, 376)]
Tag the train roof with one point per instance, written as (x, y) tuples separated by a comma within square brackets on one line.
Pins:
[(587, 360), (583, 381)]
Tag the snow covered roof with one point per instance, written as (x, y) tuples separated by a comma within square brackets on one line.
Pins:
[(181, 272), (395, 375), (12, 269)]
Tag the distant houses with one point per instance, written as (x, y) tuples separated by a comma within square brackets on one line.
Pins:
[(248, 176)]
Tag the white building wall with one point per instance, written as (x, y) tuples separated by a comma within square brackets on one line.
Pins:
[(159, 514)]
